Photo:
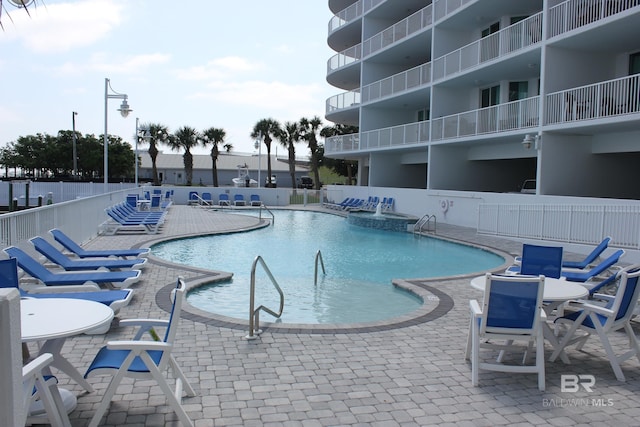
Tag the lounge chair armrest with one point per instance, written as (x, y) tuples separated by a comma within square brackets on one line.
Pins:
[(139, 346)]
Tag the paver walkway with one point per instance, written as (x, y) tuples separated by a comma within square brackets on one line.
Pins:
[(408, 375)]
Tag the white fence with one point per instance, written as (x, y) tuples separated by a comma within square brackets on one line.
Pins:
[(584, 224)]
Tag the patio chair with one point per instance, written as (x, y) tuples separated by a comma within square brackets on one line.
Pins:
[(586, 275), (223, 200), (69, 244), (54, 255), (238, 200), (604, 320), (254, 200), (206, 199), (42, 401), (144, 359), (591, 258), (114, 299), (194, 198), (89, 280), (511, 312), (541, 260), (388, 205)]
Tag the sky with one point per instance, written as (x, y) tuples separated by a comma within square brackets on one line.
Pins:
[(203, 63)]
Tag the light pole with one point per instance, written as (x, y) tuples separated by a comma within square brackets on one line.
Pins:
[(145, 135), (124, 111), (75, 152), (258, 145)]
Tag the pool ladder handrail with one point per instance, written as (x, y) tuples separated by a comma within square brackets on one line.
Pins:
[(424, 221), (254, 313), (273, 217), (315, 275)]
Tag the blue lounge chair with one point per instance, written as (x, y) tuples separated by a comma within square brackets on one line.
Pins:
[(194, 198), (238, 200), (223, 200), (113, 298), (145, 359), (70, 245), (254, 200), (91, 279), (54, 255), (124, 222), (589, 259), (585, 275), (511, 311)]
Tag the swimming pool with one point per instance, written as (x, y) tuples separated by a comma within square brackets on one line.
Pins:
[(360, 264)]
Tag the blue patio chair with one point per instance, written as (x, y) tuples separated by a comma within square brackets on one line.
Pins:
[(511, 312), (541, 260), (604, 320), (90, 279), (54, 255), (254, 200), (238, 200), (223, 200), (144, 359), (69, 244), (41, 396), (206, 199), (115, 299), (132, 200), (586, 275), (193, 198)]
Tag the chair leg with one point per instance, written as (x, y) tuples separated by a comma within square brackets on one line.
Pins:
[(540, 359), (613, 359), (467, 351), (475, 354), (109, 392)]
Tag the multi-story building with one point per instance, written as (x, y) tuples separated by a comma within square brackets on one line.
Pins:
[(477, 96)]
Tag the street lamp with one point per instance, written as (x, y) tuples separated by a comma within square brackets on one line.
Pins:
[(75, 153), (124, 111), (258, 145), (145, 135)]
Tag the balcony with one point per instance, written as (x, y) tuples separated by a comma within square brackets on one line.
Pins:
[(410, 25), (410, 79), (352, 12), (511, 116), (601, 100), (573, 14), (344, 58), (507, 41), (343, 100), (391, 137), (447, 7)]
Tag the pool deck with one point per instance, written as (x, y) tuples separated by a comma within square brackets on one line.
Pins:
[(399, 373)]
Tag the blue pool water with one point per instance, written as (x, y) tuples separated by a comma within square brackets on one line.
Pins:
[(360, 264)]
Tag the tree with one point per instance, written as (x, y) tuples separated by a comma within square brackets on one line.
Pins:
[(309, 129), (343, 167), (157, 133), (267, 129), (186, 137), (289, 135), (215, 136)]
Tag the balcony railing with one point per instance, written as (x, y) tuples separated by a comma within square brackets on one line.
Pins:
[(447, 7), (498, 118), (352, 12), (343, 100), (611, 98), (411, 24), (396, 136), (511, 39), (410, 79), (573, 14), (346, 57)]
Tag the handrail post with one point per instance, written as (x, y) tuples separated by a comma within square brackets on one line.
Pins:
[(315, 275)]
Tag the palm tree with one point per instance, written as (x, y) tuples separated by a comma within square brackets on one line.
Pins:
[(215, 136), (339, 129), (288, 137), (267, 129), (186, 137), (157, 134), (309, 129)]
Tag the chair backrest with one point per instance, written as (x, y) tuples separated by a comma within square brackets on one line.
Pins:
[(255, 198), (206, 196), (512, 304), (177, 296), (608, 262), (193, 195), (28, 264), (48, 250), (627, 295), (132, 200), (9, 273), (155, 200), (541, 260), (65, 241), (223, 196), (238, 197), (597, 251)]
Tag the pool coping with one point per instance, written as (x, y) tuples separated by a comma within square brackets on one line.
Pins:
[(436, 302)]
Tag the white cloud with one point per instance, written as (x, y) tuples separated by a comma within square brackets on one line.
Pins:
[(61, 27), (101, 62), (219, 68)]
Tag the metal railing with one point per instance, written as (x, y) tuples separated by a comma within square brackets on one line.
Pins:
[(273, 217), (447, 7), (582, 224), (423, 222), (315, 272), (573, 14), (400, 82), (344, 58), (504, 42), (254, 313), (343, 100)]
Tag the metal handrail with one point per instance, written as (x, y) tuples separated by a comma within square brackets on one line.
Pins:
[(425, 220), (254, 313), (315, 275), (273, 217)]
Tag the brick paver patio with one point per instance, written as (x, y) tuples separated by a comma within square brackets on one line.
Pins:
[(407, 372)]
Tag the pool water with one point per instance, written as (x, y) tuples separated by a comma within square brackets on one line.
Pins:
[(359, 262)]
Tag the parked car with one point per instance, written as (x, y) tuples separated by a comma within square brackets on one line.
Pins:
[(528, 187), (271, 182), (306, 182)]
